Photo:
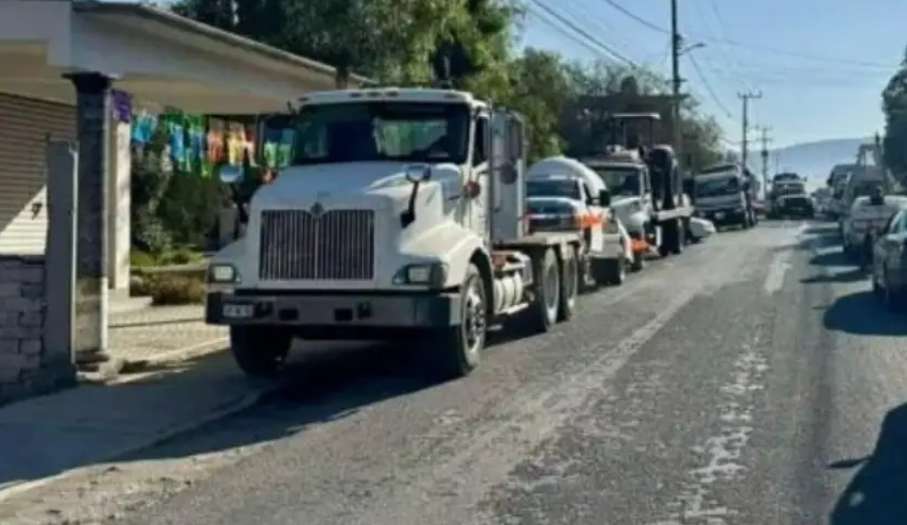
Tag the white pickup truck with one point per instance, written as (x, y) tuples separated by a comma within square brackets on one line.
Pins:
[(402, 214), (564, 195)]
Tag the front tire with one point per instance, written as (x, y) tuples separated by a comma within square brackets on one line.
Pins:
[(260, 351), (460, 347)]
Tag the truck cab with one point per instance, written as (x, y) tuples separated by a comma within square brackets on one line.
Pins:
[(722, 196), (401, 214)]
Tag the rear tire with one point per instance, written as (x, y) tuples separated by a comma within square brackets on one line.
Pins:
[(459, 348), (569, 285), (260, 351), (544, 309), (639, 262), (615, 271)]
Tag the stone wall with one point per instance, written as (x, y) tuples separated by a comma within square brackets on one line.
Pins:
[(25, 367)]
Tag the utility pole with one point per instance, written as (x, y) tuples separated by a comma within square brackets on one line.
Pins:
[(765, 141), (676, 42), (746, 97)]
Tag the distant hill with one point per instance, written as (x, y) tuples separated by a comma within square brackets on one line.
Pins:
[(813, 160)]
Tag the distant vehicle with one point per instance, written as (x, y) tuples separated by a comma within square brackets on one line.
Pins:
[(789, 199), (723, 195), (866, 219), (838, 181), (563, 195), (889, 266), (786, 177)]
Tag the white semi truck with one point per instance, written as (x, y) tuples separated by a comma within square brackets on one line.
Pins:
[(402, 214)]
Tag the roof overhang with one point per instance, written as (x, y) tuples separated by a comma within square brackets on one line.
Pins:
[(157, 56)]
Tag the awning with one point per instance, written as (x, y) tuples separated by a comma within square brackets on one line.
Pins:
[(157, 56)]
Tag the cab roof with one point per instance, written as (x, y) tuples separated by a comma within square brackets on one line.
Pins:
[(391, 94)]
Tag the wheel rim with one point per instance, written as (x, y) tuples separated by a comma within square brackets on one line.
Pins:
[(474, 321)]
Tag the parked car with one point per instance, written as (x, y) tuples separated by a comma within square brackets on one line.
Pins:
[(889, 261), (866, 219)]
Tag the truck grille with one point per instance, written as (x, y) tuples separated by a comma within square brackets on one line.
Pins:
[(297, 245)]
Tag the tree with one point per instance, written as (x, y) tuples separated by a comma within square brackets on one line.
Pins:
[(894, 104)]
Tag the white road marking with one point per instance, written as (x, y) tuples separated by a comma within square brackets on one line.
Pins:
[(774, 281), (721, 453)]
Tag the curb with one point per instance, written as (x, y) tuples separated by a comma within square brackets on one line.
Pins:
[(247, 401)]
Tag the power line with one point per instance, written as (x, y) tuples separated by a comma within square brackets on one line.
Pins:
[(569, 35), (614, 54), (638, 18), (709, 88), (734, 43)]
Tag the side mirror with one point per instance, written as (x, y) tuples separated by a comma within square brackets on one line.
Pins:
[(418, 173), (604, 198), (230, 174)]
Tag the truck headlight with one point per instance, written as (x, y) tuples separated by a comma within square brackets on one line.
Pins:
[(222, 274), (433, 275)]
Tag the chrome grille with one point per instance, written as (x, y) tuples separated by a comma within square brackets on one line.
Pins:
[(297, 245)]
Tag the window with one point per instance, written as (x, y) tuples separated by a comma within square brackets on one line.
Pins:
[(480, 143), (895, 224), (382, 131)]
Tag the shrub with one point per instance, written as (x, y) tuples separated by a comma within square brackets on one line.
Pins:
[(175, 289), (141, 259)]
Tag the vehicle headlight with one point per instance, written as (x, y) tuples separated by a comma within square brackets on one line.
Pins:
[(222, 273), (433, 275)]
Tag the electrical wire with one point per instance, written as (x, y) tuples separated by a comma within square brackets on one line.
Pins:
[(614, 54), (569, 35), (756, 47), (709, 88)]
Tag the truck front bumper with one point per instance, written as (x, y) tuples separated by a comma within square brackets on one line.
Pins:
[(334, 311)]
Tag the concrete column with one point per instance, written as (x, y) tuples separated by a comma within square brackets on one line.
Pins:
[(93, 109), (118, 216), (60, 261)]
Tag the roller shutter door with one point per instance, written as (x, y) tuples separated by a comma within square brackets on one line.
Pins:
[(25, 127)]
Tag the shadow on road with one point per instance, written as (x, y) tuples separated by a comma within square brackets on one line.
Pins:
[(862, 314), (876, 494)]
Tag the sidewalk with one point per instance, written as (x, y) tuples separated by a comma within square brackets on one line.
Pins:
[(163, 333), (185, 380)]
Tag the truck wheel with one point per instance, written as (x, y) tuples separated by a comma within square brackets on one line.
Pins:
[(679, 238), (569, 285), (616, 271), (668, 239), (547, 292), (260, 351), (639, 262), (461, 346)]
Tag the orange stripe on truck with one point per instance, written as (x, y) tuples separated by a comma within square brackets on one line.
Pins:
[(639, 246)]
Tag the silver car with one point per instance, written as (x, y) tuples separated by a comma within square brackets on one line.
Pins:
[(889, 262)]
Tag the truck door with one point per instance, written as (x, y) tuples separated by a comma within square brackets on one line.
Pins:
[(478, 185)]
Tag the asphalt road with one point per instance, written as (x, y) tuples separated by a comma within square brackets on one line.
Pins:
[(753, 379)]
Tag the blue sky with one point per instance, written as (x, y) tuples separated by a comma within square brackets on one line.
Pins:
[(821, 64)]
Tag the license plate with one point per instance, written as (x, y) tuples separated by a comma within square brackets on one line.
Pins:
[(238, 311), (720, 215)]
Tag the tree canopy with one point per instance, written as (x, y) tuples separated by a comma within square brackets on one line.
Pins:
[(894, 104), (469, 43)]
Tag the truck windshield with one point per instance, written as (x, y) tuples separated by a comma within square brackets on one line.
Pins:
[(717, 187), (553, 188), (382, 131), (623, 182)]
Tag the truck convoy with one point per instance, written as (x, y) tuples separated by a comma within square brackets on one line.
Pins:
[(724, 194), (402, 214), (564, 196), (646, 186)]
